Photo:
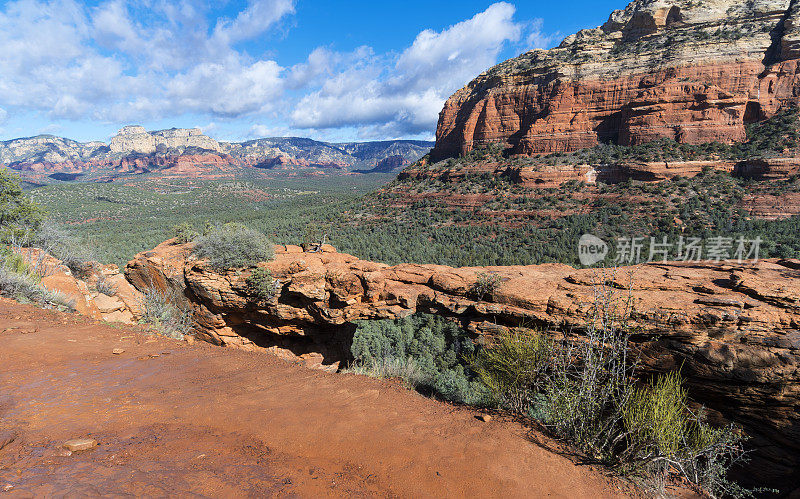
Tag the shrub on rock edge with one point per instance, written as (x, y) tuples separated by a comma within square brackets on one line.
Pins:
[(234, 245)]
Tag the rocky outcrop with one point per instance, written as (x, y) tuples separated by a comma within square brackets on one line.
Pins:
[(544, 176), (45, 151), (98, 291), (733, 330), (161, 269), (691, 71)]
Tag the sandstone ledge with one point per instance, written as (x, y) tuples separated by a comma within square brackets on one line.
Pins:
[(733, 330)]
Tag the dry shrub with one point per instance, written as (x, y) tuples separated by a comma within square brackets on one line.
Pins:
[(584, 389), (164, 315), (234, 246)]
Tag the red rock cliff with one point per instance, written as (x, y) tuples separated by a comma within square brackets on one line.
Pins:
[(691, 71)]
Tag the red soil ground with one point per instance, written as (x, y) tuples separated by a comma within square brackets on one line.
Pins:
[(179, 419)]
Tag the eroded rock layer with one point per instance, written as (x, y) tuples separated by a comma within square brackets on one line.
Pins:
[(733, 330), (691, 71)]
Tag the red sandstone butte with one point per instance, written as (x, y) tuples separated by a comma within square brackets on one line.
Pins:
[(691, 71)]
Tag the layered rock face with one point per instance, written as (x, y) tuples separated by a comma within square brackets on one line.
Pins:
[(135, 139), (691, 71), (733, 330)]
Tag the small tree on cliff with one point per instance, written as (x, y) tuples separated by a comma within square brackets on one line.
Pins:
[(19, 215)]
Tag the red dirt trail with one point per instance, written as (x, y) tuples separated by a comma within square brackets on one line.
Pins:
[(179, 419)]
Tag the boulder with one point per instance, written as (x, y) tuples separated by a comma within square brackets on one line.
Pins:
[(80, 444)]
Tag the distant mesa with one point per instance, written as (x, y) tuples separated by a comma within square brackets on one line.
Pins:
[(135, 139), (391, 163)]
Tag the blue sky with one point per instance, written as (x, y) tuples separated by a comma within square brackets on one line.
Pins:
[(347, 70)]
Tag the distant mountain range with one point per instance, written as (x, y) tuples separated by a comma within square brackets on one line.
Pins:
[(188, 152)]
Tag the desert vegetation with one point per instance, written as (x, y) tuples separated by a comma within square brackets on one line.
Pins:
[(120, 220), (20, 282), (57, 240), (261, 285), (518, 226), (485, 285), (163, 313), (427, 352), (19, 215), (587, 389), (233, 245), (20, 224), (184, 233)]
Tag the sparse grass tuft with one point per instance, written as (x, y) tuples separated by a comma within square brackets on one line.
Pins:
[(406, 370), (24, 286), (164, 315), (56, 241), (486, 283), (514, 367), (104, 286)]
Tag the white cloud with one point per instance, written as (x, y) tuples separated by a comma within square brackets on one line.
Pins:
[(113, 28), (259, 131), (178, 38), (99, 63), (538, 39), (404, 96), (457, 54), (229, 88), (3, 115), (257, 18), (50, 129), (136, 60), (208, 128), (323, 62)]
